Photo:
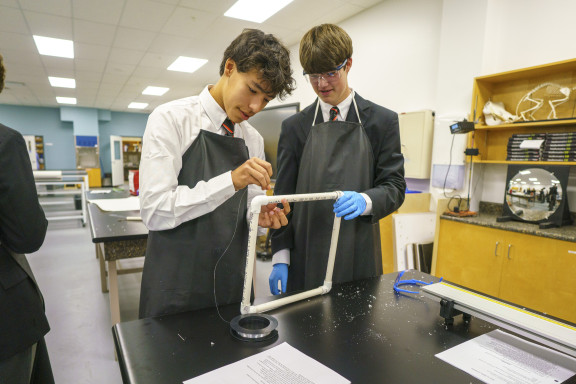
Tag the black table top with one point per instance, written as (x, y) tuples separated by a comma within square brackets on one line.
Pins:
[(362, 330), (113, 226)]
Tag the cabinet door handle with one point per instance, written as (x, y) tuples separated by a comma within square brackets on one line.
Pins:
[(496, 249), (509, 246)]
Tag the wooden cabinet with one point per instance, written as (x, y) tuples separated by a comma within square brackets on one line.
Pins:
[(470, 255), (509, 88), (532, 271)]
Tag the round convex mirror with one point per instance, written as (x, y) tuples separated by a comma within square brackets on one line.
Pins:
[(534, 194)]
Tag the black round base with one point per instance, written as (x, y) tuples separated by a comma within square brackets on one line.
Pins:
[(254, 327)]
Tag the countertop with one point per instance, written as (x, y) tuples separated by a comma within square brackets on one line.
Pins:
[(490, 211)]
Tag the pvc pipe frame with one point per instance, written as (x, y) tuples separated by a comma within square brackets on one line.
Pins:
[(255, 207)]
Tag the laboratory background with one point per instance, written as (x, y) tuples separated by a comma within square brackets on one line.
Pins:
[(485, 90)]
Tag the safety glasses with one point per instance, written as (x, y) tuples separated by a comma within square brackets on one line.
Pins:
[(329, 77), (399, 282)]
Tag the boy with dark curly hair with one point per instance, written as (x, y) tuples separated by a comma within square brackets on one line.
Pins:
[(202, 163)]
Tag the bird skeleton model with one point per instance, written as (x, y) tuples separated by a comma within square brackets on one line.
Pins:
[(551, 90)]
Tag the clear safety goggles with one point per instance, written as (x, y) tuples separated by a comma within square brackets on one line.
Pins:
[(329, 77)]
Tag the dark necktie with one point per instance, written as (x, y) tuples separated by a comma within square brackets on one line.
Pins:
[(334, 113), (228, 126)]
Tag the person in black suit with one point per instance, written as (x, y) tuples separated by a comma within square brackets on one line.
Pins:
[(340, 142), (23, 324)]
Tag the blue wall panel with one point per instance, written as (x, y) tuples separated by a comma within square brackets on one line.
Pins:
[(59, 135), (59, 149)]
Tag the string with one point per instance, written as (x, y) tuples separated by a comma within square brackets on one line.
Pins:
[(223, 253)]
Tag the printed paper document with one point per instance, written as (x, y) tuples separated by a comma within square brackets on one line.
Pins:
[(281, 364), (499, 357)]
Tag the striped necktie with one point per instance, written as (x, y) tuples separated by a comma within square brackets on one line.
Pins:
[(228, 126), (334, 113)]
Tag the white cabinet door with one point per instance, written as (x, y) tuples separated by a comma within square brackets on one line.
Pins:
[(117, 160)]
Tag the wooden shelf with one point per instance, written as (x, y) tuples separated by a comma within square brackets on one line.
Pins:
[(509, 88), (529, 124), (525, 162)]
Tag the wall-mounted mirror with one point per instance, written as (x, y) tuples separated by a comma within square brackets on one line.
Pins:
[(536, 194)]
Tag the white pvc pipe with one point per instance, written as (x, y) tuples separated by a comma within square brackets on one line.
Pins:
[(283, 301), (255, 207)]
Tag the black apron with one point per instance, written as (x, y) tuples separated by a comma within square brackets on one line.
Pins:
[(337, 156), (179, 265)]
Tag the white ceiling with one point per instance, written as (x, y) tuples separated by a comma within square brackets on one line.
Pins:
[(123, 46)]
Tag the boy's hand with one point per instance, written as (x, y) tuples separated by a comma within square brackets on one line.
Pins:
[(271, 216), (254, 171)]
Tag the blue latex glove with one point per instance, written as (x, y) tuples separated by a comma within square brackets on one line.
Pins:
[(350, 205), (279, 273)]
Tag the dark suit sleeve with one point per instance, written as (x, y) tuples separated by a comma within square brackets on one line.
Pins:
[(387, 193), (22, 221), (288, 162)]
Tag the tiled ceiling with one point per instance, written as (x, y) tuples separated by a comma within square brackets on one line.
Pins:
[(123, 46)]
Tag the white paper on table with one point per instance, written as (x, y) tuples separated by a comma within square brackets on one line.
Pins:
[(499, 357), (281, 364), (131, 203), (531, 144)]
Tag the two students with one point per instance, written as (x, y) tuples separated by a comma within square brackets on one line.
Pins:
[(202, 163)]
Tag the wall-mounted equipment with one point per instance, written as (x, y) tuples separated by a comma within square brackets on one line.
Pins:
[(416, 133), (462, 127)]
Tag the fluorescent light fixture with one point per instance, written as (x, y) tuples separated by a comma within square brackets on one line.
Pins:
[(156, 91), (135, 105), (256, 11), (54, 47), (66, 100), (186, 64), (62, 82)]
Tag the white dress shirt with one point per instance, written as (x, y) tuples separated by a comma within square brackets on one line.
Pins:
[(171, 129)]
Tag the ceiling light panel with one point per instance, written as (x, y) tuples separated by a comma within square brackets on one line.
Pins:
[(256, 11), (186, 64), (66, 100), (135, 105), (50, 46), (155, 91), (62, 82)]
